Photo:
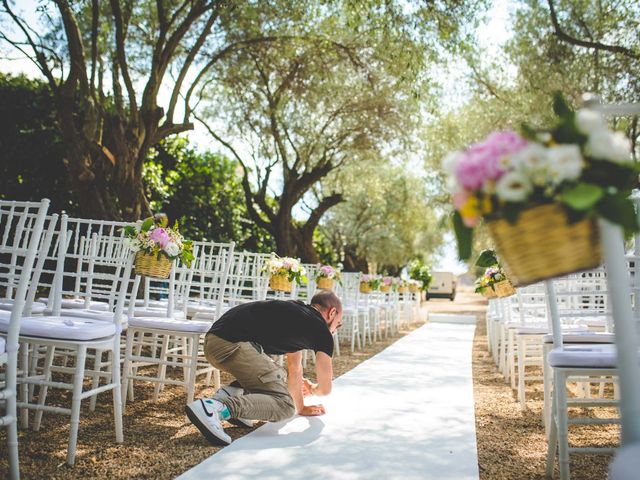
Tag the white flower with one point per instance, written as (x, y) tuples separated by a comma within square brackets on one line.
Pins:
[(565, 162), (608, 145), (621, 151), (513, 187), (172, 249), (533, 163), (131, 244), (589, 121), (450, 162)]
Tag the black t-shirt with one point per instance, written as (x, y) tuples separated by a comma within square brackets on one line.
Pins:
[(279, 326)]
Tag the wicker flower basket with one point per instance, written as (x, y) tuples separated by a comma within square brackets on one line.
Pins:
[(365, 287), (544, 245), (280, 283), (413, 288), (385, 288), (325, 283), (504, 289), (489, 293), (152, 266), (403, 289)]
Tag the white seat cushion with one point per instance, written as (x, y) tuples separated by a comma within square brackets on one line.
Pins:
[(100, 316), (3, 345), (174, 324), (584, 356), (69, 303), (545, 329), (156, 312), (583, 337), (64, 328), (37, 308)]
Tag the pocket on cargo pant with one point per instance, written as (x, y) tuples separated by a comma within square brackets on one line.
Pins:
[(275, 375)]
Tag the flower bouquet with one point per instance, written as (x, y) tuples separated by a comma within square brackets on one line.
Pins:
[(499, 283), (403, 286), (387, 283), (156, 246), (541, 191), (369, 283), (283, 272), (414, 285), (326, 276)]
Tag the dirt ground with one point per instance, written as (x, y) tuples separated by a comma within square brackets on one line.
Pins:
[(512, 443), (160, 443)]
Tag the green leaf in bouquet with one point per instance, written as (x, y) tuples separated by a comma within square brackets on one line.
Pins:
[(464, 235), (147, 224), (528, 132), (582, 196), (619, 209), (130, 231), (487, 259), (561, 106), (623, 176), (511, 212)]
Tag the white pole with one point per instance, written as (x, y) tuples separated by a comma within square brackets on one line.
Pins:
[(625, 331)]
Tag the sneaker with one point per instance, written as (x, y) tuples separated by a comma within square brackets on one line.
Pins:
[(205, 415), (233, 391)]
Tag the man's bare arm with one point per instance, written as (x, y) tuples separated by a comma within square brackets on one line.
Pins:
[(295, 385), (324, 374)]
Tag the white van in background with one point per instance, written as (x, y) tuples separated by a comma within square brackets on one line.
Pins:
[(443, 285)]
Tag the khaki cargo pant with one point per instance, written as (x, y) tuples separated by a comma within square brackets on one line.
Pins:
[(266, 396)]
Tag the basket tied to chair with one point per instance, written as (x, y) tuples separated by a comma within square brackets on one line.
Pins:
[(152, 265), (280, 283), (325, 283), (543, 244)]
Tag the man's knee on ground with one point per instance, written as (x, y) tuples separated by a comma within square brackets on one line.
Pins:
[(287, 408)]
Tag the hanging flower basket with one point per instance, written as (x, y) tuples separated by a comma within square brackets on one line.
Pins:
[(152, 265), (489, 293), (504, 289), (413, 288), (543, 244), (325, 283), (403, 289), (385, 288), (365, 287), (280, 283)]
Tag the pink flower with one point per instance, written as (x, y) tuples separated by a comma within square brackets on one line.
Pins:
[(160, 236), (470, 172), (460, 198)]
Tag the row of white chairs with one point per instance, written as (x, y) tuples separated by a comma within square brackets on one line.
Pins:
[(70, 298), (577, 364)]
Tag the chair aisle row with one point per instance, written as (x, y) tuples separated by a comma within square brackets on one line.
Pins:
[(72, 307)]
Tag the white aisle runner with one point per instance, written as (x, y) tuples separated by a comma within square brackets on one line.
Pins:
[(406, 413)]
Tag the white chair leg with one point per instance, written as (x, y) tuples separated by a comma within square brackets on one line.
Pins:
[(95, 382), (162, 368), (76, 399), (560, 383), (117, 397), (522, 349), (24, 388), (193, 370), (42, 394), (126, 370)]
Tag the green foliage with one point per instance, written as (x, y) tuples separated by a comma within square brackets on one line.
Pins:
[(418, 270), (201, 191), (487, 258), (31, 154)]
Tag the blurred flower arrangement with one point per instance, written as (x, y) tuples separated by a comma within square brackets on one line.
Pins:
[(415, 285), (489, 279), (371, 281), (329, 272), (579, 164), (154, 238), (286, 267)]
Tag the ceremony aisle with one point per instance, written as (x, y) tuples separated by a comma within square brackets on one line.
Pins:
[(407, 413)]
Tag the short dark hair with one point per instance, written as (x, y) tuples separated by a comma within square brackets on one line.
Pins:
[(325, 299)]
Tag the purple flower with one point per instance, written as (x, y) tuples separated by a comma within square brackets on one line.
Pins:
[(160, 236)]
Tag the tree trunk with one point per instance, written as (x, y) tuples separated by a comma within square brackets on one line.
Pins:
[(354, 263), (285, 233), (307, 252)]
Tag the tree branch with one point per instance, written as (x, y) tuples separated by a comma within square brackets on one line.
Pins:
[(317, 213), (562, 35), (122, 57)]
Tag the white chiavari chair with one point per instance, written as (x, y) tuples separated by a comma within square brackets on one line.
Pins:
[(21, 227)]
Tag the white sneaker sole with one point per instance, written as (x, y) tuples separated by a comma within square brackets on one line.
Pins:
[(212, 436)]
